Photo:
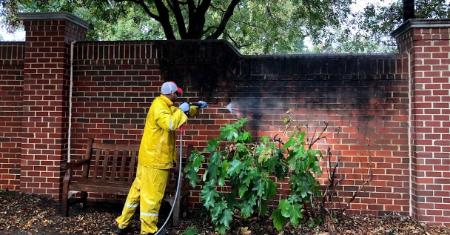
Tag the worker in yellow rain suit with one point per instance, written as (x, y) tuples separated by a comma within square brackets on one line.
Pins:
[(156, 157)]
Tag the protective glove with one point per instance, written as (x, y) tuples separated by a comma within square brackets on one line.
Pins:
[(184, 107), (202, 104)]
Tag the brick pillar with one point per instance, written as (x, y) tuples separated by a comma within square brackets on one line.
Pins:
[(426, 45), (45, 98)]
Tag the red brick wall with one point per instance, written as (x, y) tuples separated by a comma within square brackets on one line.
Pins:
[(11, 108), (404, 42), (45, 102), (431, 113), (114, 84), (426, 44), (364, 98)]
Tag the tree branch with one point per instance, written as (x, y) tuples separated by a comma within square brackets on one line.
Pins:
[(203, 7), (164, 19), (224, 21), (408, 9), (175, 6), (315, 139), (234, 42), (217, 8), (144, 7), (191, 11), (197, 18)]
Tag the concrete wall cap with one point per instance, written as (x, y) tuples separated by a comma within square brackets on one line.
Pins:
[(54, 15), (420, 23)]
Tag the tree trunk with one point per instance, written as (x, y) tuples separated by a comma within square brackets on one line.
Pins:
[(408, 10)]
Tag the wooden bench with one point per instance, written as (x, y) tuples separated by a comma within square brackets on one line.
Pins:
[(109, 169)]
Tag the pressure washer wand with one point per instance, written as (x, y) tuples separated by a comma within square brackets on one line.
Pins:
[(177, 192), (198, 104)]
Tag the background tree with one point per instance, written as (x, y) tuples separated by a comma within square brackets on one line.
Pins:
[(369, 30), (253, 26), (408, 9)]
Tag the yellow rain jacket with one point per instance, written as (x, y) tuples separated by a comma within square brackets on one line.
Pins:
[(157, 147)]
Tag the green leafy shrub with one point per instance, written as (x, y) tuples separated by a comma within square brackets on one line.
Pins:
[(240, 176)]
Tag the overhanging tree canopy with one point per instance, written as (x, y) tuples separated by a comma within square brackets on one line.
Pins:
[(260, 26), (253, 26)]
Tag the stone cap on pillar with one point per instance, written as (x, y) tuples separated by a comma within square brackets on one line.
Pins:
[(420, 23), (56, 16)]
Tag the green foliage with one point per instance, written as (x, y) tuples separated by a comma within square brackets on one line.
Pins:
[(249, 169), (195, 162), (190, 231), (275, 27), (108, 20), (288, 210), (368, 30), (254, 27)]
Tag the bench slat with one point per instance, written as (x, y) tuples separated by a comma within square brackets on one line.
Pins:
[(101, 186), (97, 153), (105, 165), (88, 156), (114, 165), (118, 147), (122, 168), (132, 164)]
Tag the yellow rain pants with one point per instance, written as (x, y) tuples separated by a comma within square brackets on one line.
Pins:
[(147, 191)]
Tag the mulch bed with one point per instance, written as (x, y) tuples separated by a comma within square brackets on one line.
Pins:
[(30, 214)]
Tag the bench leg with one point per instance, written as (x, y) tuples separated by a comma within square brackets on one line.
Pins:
[(177, 204), (65, 200), (176, 211), (83, 199), (65, 208)]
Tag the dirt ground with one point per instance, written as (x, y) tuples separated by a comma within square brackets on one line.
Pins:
[(30, 214)]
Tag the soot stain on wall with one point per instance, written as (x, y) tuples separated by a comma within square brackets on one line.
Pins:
[(262, 87)]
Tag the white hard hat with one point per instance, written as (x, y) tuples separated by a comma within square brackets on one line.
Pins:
[(170, 88)]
